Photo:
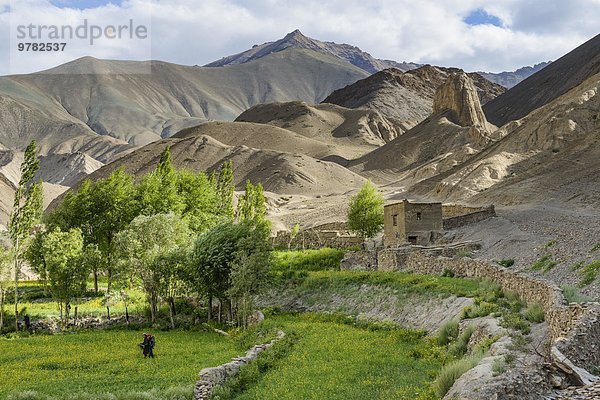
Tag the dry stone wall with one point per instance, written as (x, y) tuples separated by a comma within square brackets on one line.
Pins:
[(472, 216), (215, 376), (561, 317)]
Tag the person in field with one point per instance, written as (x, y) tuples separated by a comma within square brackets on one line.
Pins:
[(147, 345)]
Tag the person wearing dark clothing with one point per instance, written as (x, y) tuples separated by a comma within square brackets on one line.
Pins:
[(148, 345), (27, 321)]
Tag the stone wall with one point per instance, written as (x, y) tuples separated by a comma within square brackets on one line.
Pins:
[(455, 210), (561, 318), (328, 235), (215, 376), (475, 215), (364, 260)]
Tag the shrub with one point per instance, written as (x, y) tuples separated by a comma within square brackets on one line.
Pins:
[(573, 296), (479, 309), (459, 347), (447, 333), (515, 321), (545, 263), (448, 273), (589, 273), (534, 313), (308, 260), (498, 366), (506, 263), (451, 372)]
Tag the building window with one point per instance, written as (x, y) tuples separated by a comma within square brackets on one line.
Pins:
[(418, 216), (395, 219), (412, 239)]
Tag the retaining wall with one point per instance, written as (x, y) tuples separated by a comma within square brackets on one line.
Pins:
[(215, 376), (561, 318)]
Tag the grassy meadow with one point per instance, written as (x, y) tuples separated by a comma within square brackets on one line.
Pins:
[(92, 364)]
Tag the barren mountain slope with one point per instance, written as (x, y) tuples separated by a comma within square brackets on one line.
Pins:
[(450, 136), (405, 98), (99, 97), (296, 39), (279, 172), (350, 133), (546, 85), (259, 136), (552, 155)]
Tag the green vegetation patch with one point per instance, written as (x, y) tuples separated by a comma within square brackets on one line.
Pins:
[(589, 273), (544, 263), (88, 365), (308, 260), (332, 360), (572, 295)]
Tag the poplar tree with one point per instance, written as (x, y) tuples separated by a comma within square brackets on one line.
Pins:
[(365, 211), (225, 190), (26, 213)]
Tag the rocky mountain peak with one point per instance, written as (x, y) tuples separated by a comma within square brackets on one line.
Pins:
[(459, 96)]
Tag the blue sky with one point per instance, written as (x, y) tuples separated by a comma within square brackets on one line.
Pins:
[(476, 35), (482, 17)]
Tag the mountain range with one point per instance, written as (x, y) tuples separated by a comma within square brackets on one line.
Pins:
[(302, 116)]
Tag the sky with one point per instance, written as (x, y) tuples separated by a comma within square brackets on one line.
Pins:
[(476, 35)]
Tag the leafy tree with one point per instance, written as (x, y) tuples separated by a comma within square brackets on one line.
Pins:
[(67, 275), (158, 193), (252, 204), (5, 264), (365, 211), (200, 201), (251, 268), (100, 209), (225, 190), (293, 234), (144, 244), (27, 212), (225, 248)]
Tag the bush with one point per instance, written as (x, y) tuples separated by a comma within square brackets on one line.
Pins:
[(308, 260), (451, 372), (498, 366), (534, 313), (479, 309), (506, 263), (515, 321), (589, 273), (573, 296), (545, 263), (448, 273), (459, 347), (447, 333)]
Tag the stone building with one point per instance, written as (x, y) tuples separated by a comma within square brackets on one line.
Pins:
[(414, 223)]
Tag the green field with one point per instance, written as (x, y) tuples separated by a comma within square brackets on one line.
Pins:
[(98, 362), (333, 360)]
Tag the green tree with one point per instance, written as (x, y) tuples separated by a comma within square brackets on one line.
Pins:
[(251, 268), (100, 209), (225, 190), (225, 248), (252, 204), (67, 275), (365, 211), (5, 265), (144, 244), (200, 201), (27, 211), (158, 193)]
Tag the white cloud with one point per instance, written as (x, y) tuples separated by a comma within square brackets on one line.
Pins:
[(428, 31)]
